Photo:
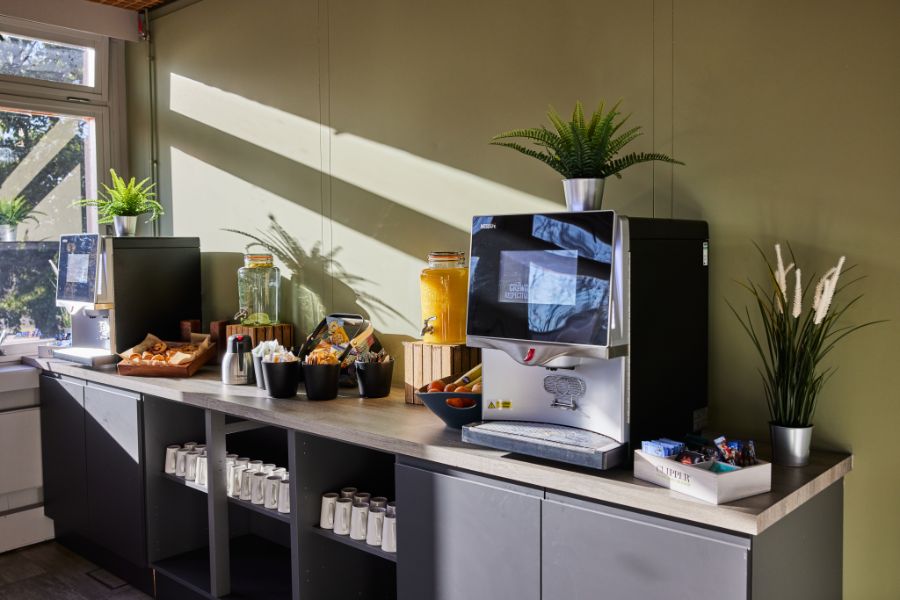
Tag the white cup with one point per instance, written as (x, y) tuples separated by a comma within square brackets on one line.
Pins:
[(268, 468), (242, 461), (377, 502), (180, 455), (359, 517), (389, 534), (326, 514), (170, 458), (273, 482), (391, 509), (202, 462), (191, 445), (280, 472), (246, 478), (201, 448), (342, 510), (284, 496), (375, 526), (258, 488), (361, 497), (348, 492), (190, 465), (255, 465), (234, 480)]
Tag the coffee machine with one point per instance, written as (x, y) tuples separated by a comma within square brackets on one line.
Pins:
[(119, 289), (593, 329)]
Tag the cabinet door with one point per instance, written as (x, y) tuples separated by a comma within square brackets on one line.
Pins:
[(594, 551), (62, 450), (114, 472), (466, 539)]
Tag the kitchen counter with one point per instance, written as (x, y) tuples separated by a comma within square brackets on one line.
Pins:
[(390, 425)]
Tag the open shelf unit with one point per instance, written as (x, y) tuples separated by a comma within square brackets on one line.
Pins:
[(334, 566), (204, 544)]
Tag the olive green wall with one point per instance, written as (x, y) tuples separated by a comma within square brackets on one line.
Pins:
[(363, 126)]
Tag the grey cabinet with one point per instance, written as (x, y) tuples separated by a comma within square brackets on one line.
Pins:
[(91, 442), (115, 480), (462, 537), (591, 551), (62, 449)]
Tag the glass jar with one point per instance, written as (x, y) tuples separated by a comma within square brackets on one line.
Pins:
[(258, 286), (444, 286)]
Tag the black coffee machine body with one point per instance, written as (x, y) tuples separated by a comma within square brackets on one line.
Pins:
[(119, 289)]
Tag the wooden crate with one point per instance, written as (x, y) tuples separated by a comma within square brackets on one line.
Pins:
[(283, 333), (423, 363)]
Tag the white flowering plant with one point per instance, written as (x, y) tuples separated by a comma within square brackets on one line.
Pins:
[(796, 334)]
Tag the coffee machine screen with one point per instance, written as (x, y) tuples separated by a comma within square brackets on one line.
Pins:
[(542, 277), (79, 256)]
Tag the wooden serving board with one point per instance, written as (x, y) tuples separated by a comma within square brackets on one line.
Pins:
[(423, 363), (126, 368), (283, 333)]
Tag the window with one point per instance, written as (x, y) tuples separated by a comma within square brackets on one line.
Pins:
[(54, 146), (33, 58), (49, 62)]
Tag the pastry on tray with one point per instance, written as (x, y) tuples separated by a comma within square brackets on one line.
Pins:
[(157, 353)]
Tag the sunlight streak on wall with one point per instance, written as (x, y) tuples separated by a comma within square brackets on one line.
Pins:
[(444, 193)]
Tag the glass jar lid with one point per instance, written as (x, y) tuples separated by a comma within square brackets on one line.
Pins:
[(447, 258), (258, 260)]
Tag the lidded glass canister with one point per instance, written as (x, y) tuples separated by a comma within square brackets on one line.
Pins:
[(259, 282), (444, 289)]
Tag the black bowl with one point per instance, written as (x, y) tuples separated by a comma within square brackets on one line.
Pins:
[(282, 379), (450, 415), (321, 381), (374, 379)]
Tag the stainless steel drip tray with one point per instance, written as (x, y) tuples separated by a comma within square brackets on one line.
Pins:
[(548, 441), (89, 357)]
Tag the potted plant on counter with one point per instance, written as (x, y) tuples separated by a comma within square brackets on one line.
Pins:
[(14, 211), (124, 202), (794, 335), (584, 153)]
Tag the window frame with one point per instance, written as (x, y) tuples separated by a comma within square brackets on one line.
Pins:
[(66, 92), (100, 114)]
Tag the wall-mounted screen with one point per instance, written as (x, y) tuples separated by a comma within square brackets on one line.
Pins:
[(79, 256), (542, 278)]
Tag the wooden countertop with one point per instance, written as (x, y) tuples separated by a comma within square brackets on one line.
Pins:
[(391, 425)]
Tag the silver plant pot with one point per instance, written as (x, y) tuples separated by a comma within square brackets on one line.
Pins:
[(125, 226), (583, 194), (790, 445), (7, 233)]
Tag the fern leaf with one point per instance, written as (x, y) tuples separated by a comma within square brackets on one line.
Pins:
[(548, 159)]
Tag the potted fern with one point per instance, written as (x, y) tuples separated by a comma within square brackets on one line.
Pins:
[(795, 334), (584, 153), (124, 202), (14, 211)]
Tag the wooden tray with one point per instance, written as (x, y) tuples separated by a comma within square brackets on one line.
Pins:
[(126, 368)]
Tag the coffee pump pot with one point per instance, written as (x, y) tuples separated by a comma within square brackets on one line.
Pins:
[(237, 364)]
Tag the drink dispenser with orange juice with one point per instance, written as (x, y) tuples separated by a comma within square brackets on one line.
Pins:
[(444, 285)]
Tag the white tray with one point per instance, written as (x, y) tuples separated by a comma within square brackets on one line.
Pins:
[(698, 481)]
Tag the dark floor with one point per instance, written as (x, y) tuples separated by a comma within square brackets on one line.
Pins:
[(49, 571)]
